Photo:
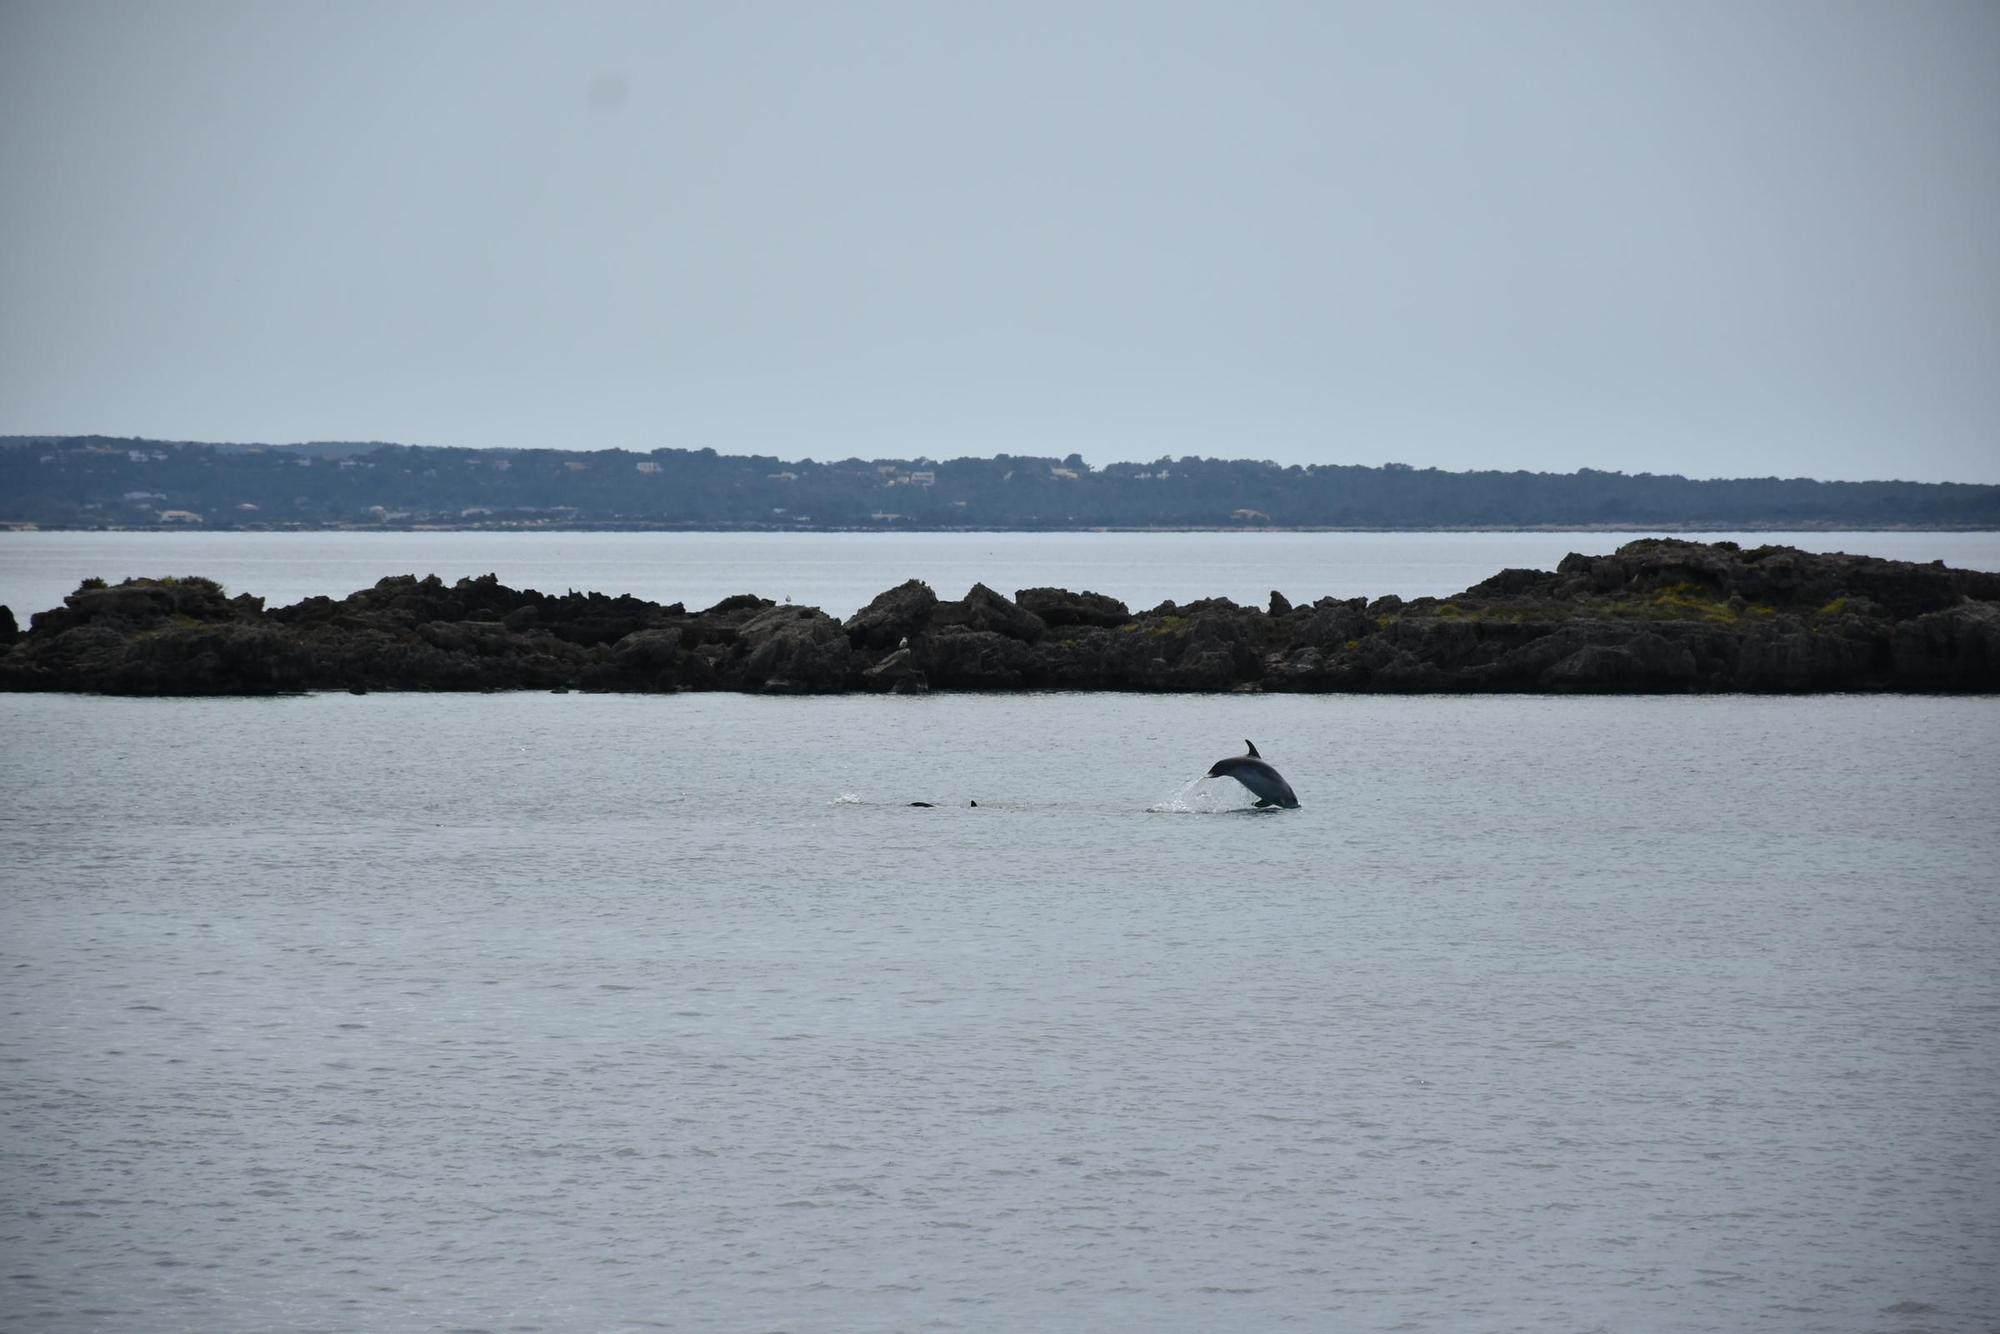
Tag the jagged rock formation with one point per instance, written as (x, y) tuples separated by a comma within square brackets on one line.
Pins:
[(1656, 616)]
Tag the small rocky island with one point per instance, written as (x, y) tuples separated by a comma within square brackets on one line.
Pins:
[(1657, 616)]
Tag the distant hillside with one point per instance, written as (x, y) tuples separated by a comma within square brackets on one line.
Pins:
[(97, 481)]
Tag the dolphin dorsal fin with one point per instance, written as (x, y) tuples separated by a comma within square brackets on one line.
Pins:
[(1253, 749)]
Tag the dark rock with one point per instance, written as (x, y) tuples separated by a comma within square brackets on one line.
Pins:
[(1958, 649), (962, 659), (1799, 660), (1303, 669), (1645, 662), (1786, 576), (1524, 665), (141, 604), (1091, 658), (1059, 607), (1512, 583), (985, 610), (1225, 643), (793, 650), (1406, 672), (1600, 574), (1657, 615), (1330, 626), (739, 602), (902, 612), (649, 659), (897, 672), (1203, 669), (649, 650)]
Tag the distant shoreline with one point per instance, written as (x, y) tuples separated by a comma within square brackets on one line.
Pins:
[(95, 482)]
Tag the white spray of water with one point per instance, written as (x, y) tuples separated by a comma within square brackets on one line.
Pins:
[(1203, 795)]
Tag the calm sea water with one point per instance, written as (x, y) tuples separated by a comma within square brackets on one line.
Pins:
[(840, 572), (532, 1012)]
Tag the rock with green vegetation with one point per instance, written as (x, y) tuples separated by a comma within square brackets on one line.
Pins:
[(1656, 616)]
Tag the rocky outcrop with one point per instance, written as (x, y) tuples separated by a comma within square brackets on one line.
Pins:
[(893, 616), (1656, 616), (985, 611), (1056, 607), (794, 651), (897, 673)]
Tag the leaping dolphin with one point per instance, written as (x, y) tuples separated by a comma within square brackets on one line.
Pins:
[(1256, 773)]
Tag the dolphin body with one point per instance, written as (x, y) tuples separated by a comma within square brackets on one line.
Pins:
[(1256, 773)]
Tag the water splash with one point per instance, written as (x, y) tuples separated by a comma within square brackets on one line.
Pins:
[(1202, 795)]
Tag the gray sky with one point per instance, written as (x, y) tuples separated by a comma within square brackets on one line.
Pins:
[(1717, 239)]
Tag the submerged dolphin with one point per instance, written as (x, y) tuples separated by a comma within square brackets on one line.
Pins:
[(1256, 773)]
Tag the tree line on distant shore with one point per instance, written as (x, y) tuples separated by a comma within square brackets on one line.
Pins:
[(99, 481)]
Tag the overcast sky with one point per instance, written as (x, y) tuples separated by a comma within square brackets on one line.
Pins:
[(1727, 239)]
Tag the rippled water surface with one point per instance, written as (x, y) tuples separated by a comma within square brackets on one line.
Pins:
[(531, 1012)]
